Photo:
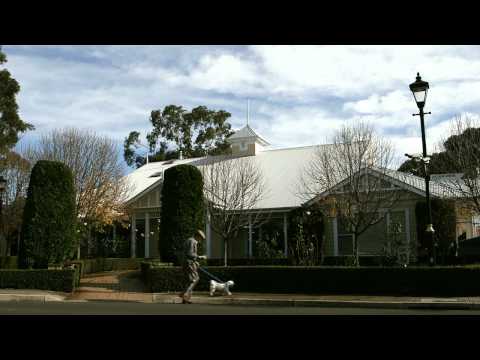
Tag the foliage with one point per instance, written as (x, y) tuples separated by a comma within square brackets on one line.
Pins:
[(444, 223), (440, 163), (16, 171), (63, 280), (132, 143), (268, 249), (11, 125), (8, 262), (49, 217), (196, 133), (182, 210), (97, 171), (413, 281), (396, 251), (306, 238)]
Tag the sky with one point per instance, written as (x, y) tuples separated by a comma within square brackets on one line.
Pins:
[(298, 95)]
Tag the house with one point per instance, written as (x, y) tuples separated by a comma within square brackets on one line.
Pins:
[(282, 169), (410, 190)]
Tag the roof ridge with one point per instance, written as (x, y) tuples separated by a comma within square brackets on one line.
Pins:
[(296, 147)]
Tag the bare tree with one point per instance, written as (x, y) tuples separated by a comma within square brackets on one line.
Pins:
[(16, 171), (349, 178), (97, 169), (233, 188), (462, 150)]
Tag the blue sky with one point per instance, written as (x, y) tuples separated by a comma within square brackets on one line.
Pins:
[(298, 94)]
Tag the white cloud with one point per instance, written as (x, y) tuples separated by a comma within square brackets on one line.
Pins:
[(300, 93)]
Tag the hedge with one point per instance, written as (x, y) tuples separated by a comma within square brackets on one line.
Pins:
[(182, 211), (250, 262), (444, 222), (8, 262), (63, 280), (418, 281), (49, 217), (88, 266)]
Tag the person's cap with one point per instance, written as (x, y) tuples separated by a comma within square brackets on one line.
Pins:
[(200, 232)]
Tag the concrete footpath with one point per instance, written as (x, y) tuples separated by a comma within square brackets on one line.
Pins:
[(278, 300)]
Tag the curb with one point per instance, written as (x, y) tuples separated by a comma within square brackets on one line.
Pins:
[(30, 297), (170, 299)]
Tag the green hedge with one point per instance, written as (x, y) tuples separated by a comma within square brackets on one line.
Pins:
[(444, 222), (250, 262), (420, 281), (41, 279), (89, 266), (49, 217), (182, 211), (8, 262)]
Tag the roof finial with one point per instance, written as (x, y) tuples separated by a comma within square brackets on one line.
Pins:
[(248, 110)]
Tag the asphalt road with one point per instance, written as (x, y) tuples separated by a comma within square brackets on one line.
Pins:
[(130, 308)]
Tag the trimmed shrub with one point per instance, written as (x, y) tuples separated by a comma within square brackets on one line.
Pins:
[(250, 262), (350, 260), (418, 281), (444, 222), (49, 218), (8, 262), (55, 280), (182, 210)]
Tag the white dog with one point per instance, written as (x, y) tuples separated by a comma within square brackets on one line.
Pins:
[(222, 288)]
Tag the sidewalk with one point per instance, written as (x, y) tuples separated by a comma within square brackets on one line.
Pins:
[(281, 300), (325, 301), (31, 295)]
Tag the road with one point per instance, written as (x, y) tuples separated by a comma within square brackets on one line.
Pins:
[(130, 308)]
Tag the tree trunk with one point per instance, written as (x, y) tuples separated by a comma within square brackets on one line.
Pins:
[(225, 242), (355, 246)]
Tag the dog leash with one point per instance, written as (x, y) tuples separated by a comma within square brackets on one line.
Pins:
[(212, 276)]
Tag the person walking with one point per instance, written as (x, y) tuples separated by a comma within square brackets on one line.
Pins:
[(190, 264)]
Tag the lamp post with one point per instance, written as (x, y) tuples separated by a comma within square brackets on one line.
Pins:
[(3, 186), (419, 89)]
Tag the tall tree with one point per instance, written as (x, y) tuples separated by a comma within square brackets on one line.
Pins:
[(49, 218), (349, 177), (97, 170), (17, 173), (182, 211), (460, 155), (11, 125), (233, 189), (195, 133)]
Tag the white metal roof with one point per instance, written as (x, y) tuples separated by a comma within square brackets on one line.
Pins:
[(141, 180), (282, 169), (408, 181)]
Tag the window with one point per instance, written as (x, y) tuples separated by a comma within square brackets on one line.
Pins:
[(475, 225), (345, 238)]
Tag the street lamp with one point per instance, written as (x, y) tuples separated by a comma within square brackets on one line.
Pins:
[(419, 89)]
